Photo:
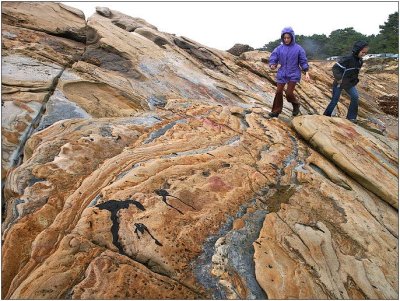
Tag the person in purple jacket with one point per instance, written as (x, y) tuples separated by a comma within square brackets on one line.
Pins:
[(293, 61)]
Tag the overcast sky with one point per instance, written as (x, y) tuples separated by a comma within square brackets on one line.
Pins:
[(222, 24)]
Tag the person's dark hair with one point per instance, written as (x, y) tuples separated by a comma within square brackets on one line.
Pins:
[(358, 46)]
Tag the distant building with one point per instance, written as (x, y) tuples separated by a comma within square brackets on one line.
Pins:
[(333, 58), (381, 55), (369, 56)]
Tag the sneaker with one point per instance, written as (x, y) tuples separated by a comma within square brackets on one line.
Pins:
[(272, 114), (296, 109)]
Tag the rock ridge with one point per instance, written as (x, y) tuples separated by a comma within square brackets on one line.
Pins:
[(150, 169)]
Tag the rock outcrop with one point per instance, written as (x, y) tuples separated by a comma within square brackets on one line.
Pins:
[(238, 49), (137, 164)]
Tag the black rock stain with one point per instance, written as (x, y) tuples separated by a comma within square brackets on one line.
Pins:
[(164, 194), (139, 227), (114, 206)]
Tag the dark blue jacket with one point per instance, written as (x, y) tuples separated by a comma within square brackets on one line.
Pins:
[(348, 68)]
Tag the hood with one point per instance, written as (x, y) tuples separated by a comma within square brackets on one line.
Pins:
[(290, 31), (358, 46)]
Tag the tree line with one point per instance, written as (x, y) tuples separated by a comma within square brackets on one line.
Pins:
[(340, 41)]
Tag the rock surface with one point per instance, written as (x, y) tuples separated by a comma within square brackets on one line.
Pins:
[(238, 49), (370, 160), (137, 164)]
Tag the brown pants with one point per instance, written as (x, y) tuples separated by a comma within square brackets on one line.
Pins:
[(278, 100)]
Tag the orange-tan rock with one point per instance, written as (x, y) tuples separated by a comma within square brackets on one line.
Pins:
[(141, 165), (371, 161)]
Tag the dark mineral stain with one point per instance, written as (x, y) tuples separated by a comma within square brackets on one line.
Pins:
[(139, 227), (114, 206), (205, 173), (164, 194)]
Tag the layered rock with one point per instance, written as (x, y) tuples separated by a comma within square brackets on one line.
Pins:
[(371, 161), (52, 18), (155, 174), (37, 47)]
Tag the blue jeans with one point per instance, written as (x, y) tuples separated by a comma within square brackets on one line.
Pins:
[(353, 108)]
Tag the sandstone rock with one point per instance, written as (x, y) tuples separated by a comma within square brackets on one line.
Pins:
[(60, 108), (104, 11), (389, 104), (154, 36), (324, 242), (32, 62), (124, 21), (368, 160), (256, 56), (73, 10), (121, 272), (40, 46), (48, 17), (33, 185), (26, 80), (154, 173), (239, 49)]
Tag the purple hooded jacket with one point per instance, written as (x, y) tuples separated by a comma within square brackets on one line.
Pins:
[(291, 57)]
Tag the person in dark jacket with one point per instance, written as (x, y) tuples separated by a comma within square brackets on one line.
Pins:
[(293, 61), (345, 73)]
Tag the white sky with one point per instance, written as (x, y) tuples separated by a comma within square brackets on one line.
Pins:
[(222, 24)]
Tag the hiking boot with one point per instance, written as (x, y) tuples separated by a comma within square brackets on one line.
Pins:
[(353, 121), (272, 114), (296, 109)]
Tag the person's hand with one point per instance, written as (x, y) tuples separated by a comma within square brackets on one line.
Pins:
[(307, 77), (273, 67)]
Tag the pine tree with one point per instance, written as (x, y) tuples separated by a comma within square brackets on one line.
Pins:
[(340, 41), (389, 35)]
